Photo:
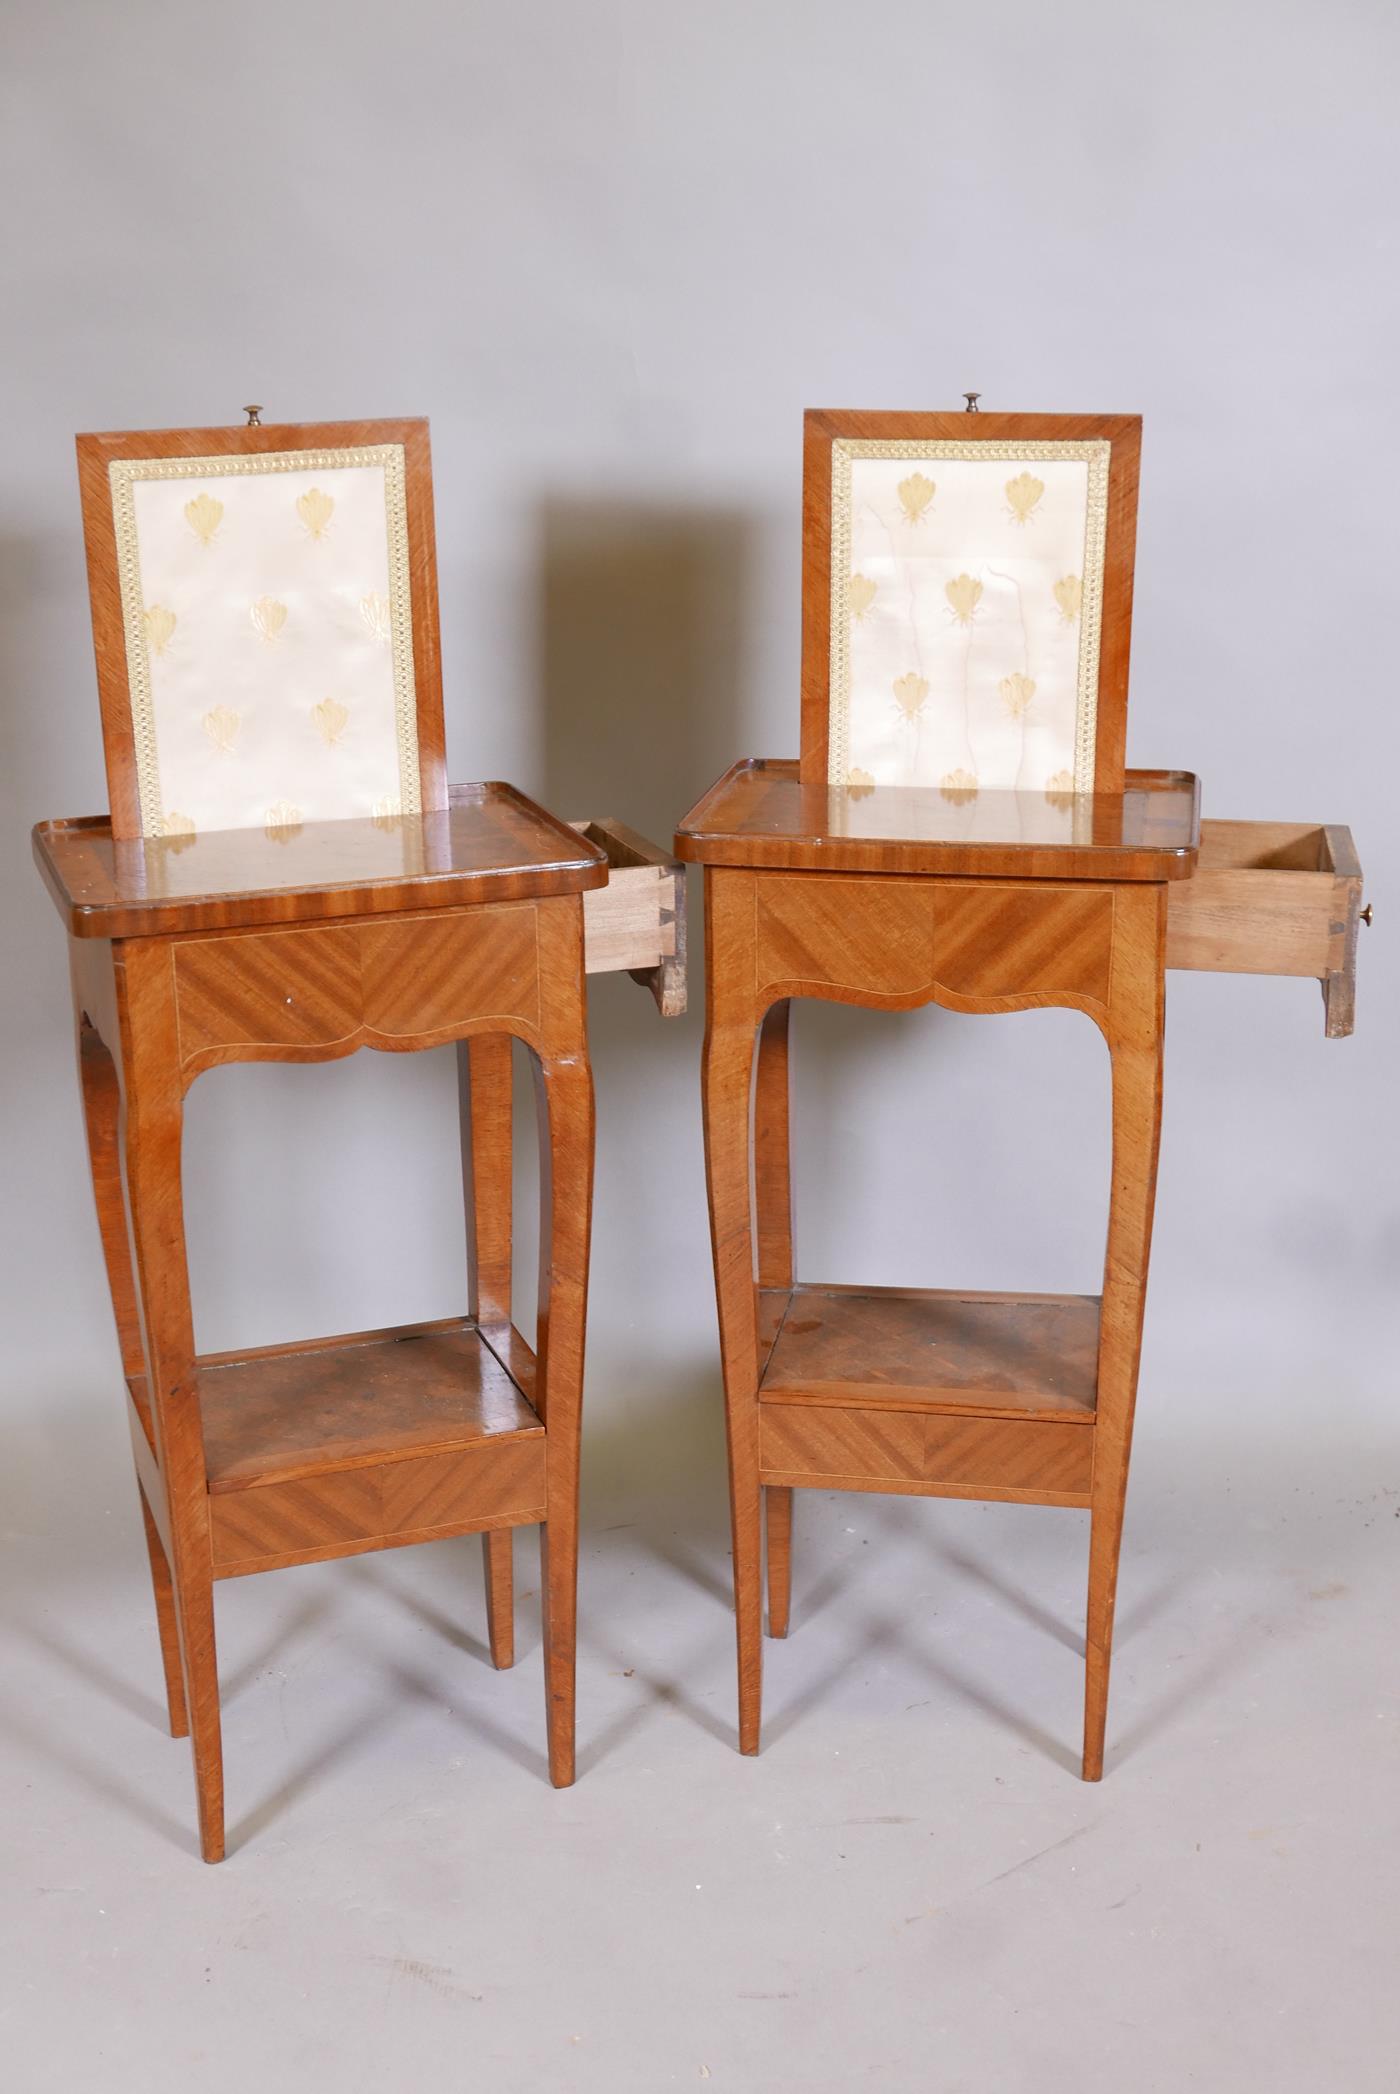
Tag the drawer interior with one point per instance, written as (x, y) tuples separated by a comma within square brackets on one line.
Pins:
[(1272, 898)]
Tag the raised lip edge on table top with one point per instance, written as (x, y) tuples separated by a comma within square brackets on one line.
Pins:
[(582, 866), (1177, 862)]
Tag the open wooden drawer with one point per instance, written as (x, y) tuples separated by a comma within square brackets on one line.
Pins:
[(637, 921), (1273, 898)]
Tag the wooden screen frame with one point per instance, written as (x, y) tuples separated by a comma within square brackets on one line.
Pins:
[(821, 426), (97, 451)]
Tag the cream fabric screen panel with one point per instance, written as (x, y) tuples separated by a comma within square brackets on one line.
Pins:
[(967, 586), (269, 637)]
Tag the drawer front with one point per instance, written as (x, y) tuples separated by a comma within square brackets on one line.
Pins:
[(980, 939), (498, 1482), (1008, 941), (872, 937), (812, 1444), (334, 986)]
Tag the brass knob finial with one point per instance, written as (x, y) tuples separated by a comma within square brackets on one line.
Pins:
[(254, 415), (1366, 916), (972, 399)]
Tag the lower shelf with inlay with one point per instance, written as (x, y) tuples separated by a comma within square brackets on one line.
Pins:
[(939, 1393), (365, 1442)]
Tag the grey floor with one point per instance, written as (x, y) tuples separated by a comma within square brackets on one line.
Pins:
[(908, 1889)]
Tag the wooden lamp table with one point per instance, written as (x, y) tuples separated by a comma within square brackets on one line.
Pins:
[(891, 898), (302, 945)]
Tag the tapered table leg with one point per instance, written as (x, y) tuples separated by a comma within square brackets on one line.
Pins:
[(727, 1074), (564, 1105), (101, 1097), (772, 1172), (496, 1554), (151, 1165), (1136, 1006), (484, 1079)]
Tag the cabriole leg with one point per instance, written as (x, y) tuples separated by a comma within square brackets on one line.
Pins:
[(1135, 1044)]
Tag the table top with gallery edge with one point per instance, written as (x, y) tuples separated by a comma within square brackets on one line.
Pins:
[(762, 817), (489, 844)]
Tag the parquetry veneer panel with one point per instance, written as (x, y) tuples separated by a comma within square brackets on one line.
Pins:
[(1028, 1355), (379, 1506), (816, 1445), (333, 985), (991, 941)]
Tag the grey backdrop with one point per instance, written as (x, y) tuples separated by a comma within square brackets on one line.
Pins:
[(613, 251)]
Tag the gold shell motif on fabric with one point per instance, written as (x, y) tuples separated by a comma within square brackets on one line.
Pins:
[(375, 612), (1069, 595), (331, 719), (204, 515), (909, 694), (963, 594), (315, 510), (1016, 693), (283, 821), (160, 628), (178, 830), (861, 594), (221, 725), (958, 786), (1023, 493), (915, 494), (1059, 788), (860, 782), (268, 616)]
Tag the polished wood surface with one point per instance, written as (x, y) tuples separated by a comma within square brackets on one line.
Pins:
[(97, 452), (1273, 898), (638, 920), (315, 1450), (1019, 1398), (762, 814), (827, 1447), (1003, 1355), (280, 1412), (491, 844), (822, 425)]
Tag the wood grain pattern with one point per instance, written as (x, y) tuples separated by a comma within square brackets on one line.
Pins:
[(823, 1447), (278, 1413), (777, 1504), (167, 1626), (487, 1117), (152, 1130), (321, 991), (895, 1348), (326, 1448), (379, 1505), (1273, 898), (97, 452), (821, 426), (564, 1101), (762, 816), (497, 1561), (638, 920), (1021, 1398), (490, 845), (904, 941)]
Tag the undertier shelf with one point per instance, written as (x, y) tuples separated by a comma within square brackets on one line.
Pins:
[(366, 1441), (938, 1394), (1009, 1355)]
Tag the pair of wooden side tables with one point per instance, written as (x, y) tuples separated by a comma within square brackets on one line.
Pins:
[(265, 613)]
